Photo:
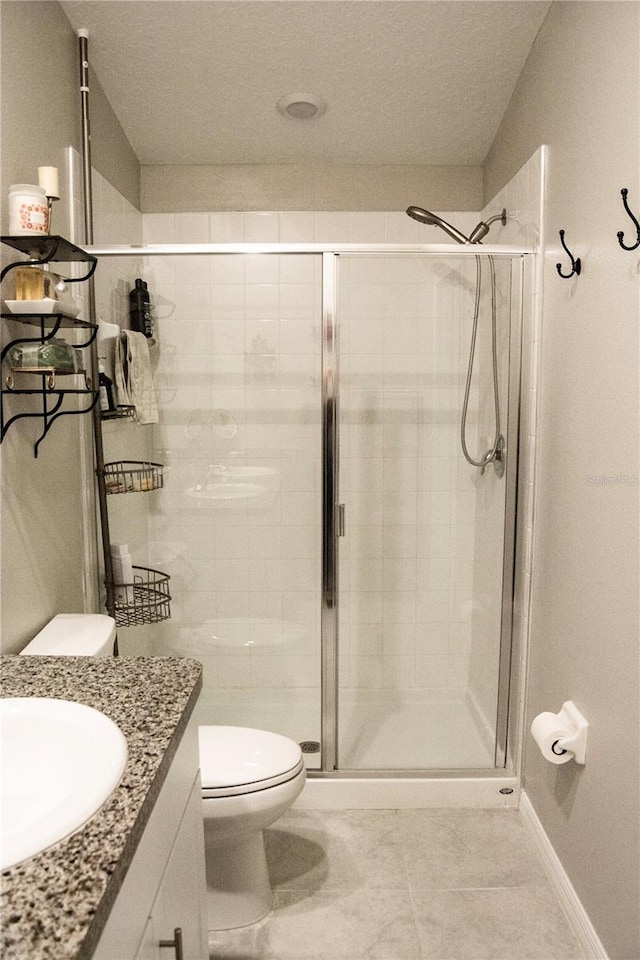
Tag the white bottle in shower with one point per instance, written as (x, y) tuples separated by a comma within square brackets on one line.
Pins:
[(122, 569)]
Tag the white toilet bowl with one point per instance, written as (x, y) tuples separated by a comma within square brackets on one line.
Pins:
[(249, 779)]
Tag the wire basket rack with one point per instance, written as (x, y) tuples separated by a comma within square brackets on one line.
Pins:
[(132, 476), (146, 600)]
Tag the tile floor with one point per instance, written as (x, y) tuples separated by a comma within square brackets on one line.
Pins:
[(404, 885)]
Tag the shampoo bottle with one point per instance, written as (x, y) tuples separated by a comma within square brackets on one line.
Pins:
[(140, 309)]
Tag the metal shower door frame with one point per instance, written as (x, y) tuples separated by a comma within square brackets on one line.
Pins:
[(332, 518), (330, 506), (330, 454)]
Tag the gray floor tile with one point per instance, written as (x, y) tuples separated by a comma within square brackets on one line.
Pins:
[(454, 849), (521, 923), (344, 925), (472, 889), (336, 850), (242, 944), (350, 925)]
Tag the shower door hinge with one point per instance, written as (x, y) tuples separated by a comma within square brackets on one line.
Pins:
[(341, 520)]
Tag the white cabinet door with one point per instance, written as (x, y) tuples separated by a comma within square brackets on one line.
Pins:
[(171, 852), (181, 898)]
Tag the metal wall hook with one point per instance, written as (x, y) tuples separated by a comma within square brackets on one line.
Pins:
[(624, 192), (576, 264)]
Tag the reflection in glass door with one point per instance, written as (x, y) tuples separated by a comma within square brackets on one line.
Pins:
[(237, 523), (421, 582)]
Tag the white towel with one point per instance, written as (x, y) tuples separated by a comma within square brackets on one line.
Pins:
[(134, 381)]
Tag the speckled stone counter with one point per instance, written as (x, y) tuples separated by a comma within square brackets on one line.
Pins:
[(55, 905)]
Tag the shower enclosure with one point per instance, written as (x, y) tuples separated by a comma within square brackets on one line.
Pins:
[(342, 572)]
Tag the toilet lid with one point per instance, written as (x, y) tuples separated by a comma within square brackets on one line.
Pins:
[(242, 760)]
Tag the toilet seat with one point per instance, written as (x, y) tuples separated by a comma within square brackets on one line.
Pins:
[(241, 760)]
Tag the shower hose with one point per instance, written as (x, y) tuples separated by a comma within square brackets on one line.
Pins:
[(495, 452)]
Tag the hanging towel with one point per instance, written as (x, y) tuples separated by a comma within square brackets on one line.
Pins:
[(134, 382)]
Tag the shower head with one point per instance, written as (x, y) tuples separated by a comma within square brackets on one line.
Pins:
[(425, 216), (477, 234)]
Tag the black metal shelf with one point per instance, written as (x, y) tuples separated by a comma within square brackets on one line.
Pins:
[(41, 250), (49, 320), (50, 249)]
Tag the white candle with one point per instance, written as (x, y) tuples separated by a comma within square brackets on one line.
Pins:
[(48, 179)]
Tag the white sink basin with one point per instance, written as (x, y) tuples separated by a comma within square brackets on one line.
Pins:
[(59, 762)]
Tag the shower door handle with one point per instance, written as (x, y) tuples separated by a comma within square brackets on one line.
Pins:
[(341, 520)]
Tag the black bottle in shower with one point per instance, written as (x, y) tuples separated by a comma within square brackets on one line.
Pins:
[(140, 311)]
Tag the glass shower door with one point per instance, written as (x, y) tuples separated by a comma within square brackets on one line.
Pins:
[(422, 620), (237, 522)]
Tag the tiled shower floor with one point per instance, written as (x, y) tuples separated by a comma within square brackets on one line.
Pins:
[(404, 885)]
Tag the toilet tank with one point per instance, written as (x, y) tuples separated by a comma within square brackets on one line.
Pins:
[(74, 635)]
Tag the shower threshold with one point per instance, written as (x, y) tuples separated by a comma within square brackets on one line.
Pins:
[(381, 736)]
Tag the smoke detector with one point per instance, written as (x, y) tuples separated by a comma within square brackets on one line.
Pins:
[(301, 106)]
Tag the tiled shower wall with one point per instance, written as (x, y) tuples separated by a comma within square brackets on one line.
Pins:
[(115, 218), (408, 590), (270, 570), (385, 650), (239, 386)]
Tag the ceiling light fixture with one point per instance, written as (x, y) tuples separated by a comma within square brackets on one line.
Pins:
[(301, 106)]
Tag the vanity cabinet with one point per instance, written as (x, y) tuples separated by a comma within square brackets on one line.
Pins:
[(165, 885)]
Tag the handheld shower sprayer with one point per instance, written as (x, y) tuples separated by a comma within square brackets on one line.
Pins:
[(477, 235), (425, 216), (495, 453)]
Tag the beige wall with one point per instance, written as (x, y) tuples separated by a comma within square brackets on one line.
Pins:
[(43, 568), (216, 188), (584, 615), (41, 103)]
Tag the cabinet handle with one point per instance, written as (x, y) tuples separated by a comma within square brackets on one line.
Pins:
[(176, 943)]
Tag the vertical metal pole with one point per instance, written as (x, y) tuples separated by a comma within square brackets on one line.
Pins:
[(329, 611), (83, 38), (83, 41)]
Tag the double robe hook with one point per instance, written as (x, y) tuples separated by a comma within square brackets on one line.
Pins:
[(624, 192), (576, 264)]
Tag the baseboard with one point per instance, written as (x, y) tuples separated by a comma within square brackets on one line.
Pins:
[(567, 896)]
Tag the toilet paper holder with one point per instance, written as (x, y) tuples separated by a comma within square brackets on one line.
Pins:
[(570, 718)]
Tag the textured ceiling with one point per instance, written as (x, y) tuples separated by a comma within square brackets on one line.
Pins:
[(406, 81)]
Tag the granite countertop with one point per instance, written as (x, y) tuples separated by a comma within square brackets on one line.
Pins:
[(54, 906)]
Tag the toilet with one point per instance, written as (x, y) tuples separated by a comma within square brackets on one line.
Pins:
[(249, 779)]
